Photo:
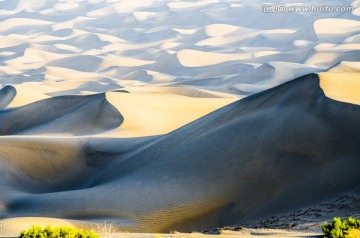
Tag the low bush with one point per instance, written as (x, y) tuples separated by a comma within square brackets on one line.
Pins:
[(341, 228), (58, 232)]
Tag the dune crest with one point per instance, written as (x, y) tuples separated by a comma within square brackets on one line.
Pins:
[(72, 115)]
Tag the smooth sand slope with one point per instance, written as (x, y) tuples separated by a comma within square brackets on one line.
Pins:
[(153, 113), (267, 154)]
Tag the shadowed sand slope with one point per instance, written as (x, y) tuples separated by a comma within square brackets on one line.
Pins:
[(7, 94), (75, 115), (271, 152)]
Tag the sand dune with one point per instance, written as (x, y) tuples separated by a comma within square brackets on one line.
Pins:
[(162, 111), (148, 111), (140, 184), (335, 28), (341, 82), (194, 58), (7, 94), (84, 115), (344, 87), (182, 40), (174, 115), (25, 96)]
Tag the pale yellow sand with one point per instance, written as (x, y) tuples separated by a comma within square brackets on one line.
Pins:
[(147, 114), (249, 233), (147, 111), (26, 96), (12, 228), (343, 87), (346, 67)]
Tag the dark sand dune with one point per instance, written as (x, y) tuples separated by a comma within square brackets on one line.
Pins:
[(7, 94), (76, 115), (271, 152)]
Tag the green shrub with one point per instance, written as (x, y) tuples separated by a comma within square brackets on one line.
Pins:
[(340, 228), (58, 232)]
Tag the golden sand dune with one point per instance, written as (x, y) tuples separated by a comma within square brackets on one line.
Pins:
[(25, 95), (191, 178), (342, 83), (344, 87), (152, 113)]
